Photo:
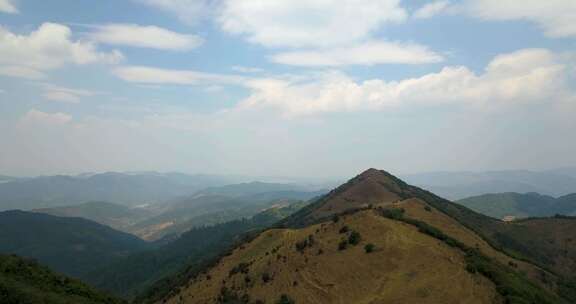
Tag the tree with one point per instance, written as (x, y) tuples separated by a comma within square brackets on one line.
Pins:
[(285, 299), (369, 248)]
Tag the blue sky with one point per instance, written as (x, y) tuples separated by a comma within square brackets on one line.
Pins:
[(286, 87)]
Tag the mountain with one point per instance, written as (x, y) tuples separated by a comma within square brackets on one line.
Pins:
[(114, 215), (517, 205), (124, 188), (134, 273), (72, 246), (26, 281), (377, 239), (459, 185)]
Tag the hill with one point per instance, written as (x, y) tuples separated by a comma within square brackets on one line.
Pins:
[(377, 239), (26, 281), (500, 205), (459, 185), (114, 215), (133, 274), (519, 205), (72, 246)]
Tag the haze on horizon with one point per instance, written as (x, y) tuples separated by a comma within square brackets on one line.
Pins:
[(298, 88)]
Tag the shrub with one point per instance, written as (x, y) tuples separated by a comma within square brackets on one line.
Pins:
[(342, 245), (354, 238), (335, 218), (369, 248), (427, 208), (266, 277), (285, 299), (344, 229)]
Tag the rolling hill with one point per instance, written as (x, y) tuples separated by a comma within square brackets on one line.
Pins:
[(25, 281), (217, 205), (500, 205), (114, 215), (377, 239), (72, 246)]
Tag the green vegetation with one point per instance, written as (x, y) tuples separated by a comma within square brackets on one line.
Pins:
[(354, 238), (26, 282), (368, 248), (72, 246), (285, 299)]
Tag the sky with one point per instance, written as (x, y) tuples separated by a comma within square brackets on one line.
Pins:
[(286, 87)]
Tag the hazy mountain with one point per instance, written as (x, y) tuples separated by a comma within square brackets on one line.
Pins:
[(23, 281), (377, 239), (117, 216), (519, 205), (458, 185), (123, 188), (72, 246), (252, 188), (218, 205)]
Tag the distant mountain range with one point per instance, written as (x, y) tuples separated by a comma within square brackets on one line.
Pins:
[(124, 188), (518, 205), (458, 185)]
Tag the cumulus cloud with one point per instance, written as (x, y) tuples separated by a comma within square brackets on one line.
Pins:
[(145, 37), (431, 9), (36, 117), (49, 47), (369, 53), (308, 23), (555, 17), (150, 75), (531, 75), (7, 6)]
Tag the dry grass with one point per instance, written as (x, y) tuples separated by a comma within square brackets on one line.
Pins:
[(406, 267)]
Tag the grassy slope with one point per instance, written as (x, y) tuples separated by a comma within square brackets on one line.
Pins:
[(407, 266)]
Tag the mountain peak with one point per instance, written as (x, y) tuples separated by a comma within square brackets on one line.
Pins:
[(370, 187)]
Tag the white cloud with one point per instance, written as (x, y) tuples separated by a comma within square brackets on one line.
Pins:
[(188, 11), (145, 37), (21, 72), (369, 53), (7, 6), (67, 95), (308, 23), (149, 75), (49, 47), (532, 75), (244, 69), (431, 9), (555, 17), (36, 117)]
